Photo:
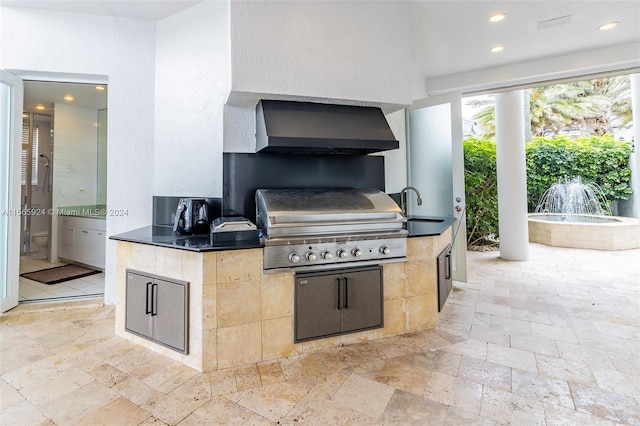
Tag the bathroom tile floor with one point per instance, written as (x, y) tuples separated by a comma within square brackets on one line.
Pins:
[(30, 290), (551, 341)]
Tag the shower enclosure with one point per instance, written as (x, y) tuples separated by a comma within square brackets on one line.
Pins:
[(37, 152)]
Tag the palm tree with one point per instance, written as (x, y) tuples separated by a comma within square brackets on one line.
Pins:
[(588, 106)]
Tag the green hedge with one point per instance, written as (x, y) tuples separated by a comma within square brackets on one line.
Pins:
[(597, 159), (601, 160), (481, 190)]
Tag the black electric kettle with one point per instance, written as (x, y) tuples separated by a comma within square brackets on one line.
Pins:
[(192, 216)]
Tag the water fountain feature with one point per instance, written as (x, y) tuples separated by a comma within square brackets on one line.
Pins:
[(571, 214), (572, 197)]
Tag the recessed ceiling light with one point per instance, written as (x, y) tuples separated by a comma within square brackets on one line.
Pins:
[(68, 98), (608, 26), (496, 49), (101, 88), (497, 17), (40, 107)]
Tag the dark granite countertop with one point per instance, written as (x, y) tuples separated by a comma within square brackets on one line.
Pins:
[(423, 226), (163, 236)]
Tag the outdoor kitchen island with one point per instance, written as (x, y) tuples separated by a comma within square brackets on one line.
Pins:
[(236, 314)]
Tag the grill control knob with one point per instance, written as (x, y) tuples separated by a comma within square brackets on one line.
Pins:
[(326, 255), (385, 250), (342, 253), (311, 257), (294, 258), (356, 252)]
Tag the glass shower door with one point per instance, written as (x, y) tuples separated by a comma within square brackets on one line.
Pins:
[(11, 94)]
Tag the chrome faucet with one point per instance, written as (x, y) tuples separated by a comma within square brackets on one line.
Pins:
[(403, 199)]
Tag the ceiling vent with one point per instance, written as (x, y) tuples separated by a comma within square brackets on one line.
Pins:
[(555, 22)]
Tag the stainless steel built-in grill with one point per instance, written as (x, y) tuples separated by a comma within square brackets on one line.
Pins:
[(325, 228)]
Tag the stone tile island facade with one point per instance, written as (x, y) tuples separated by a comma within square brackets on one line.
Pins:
[(237, 314)]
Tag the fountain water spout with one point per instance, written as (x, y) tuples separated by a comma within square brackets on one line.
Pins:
[(572, 197)]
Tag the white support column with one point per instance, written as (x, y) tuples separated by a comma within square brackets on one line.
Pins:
[(635, 157), (512, 176)]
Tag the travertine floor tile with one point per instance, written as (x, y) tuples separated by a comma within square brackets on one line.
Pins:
[(170, 410), (221, 411), (403, 374), (408, 409), (108, 375), (486, 334), (592, 356), (126, 413), (485, 373), (454, 392), (70, 408), (270, 372), (458, 417), (198, 388), (613, 406), (507, 408), (576, 313), (8, 395), (469, 348), (223, 382), (553, 391), (23, 413), (53, 387), (273, 401), (37, 371), (315, 409), (570, 371), (438, 360), (509, 357), (535, 344), (364, 395), (560, 416)]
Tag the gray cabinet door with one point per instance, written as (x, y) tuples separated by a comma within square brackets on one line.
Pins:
[(138, 304), (317, 307), (362, 300), (169, 313)]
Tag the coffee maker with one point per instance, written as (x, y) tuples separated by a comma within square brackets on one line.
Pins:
[(192, 216)]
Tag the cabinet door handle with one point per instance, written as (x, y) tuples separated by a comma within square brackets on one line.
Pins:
[(346, 293), (448, 267), (147, 309), (85, 232), (338, 287), (154, 296)]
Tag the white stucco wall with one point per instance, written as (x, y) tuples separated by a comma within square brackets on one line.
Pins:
[(395, 161), (192, 85), (111, 50), (350, 50)]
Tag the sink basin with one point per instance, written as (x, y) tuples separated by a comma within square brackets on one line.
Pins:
[(420, 220), (426, 226)]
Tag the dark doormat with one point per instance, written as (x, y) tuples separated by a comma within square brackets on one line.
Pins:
[(59, 274)]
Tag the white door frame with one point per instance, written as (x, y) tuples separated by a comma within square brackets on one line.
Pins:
[(454, 100), (10, 122)]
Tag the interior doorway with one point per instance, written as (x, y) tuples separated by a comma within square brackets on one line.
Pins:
[(64, 148)]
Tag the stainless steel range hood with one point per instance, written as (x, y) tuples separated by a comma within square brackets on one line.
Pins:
[(306, 127)]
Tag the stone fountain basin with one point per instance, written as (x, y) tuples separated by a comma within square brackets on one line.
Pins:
[(584, 231)]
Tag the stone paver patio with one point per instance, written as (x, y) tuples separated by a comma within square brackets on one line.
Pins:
[(551, 341)]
